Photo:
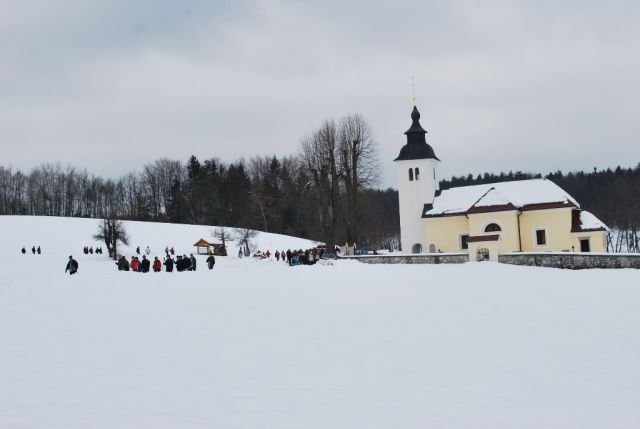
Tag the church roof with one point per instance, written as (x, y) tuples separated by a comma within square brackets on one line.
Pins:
[(534, 194), (584, 221), (416, 146)]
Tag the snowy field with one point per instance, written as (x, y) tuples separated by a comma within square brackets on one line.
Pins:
[(258, 344)]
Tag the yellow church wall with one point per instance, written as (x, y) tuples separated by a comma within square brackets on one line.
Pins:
[(508, 222), (444, 232), (556, 223), (597, 240)]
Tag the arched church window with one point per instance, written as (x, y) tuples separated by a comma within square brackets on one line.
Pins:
[(492, 227), (417, 173), (434, 174), (411, 174)]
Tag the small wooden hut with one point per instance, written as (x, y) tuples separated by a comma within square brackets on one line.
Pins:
[(203, 247)]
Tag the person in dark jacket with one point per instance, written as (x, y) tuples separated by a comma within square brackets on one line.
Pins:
[(168, 263), (24, 250), (192, 267), (72, 266), (33, 250), (123, 264), (144, 265), (289, 255), (180, 263), (38, 250), (211, 261)]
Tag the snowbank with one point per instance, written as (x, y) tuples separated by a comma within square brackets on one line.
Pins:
[(258, 344)]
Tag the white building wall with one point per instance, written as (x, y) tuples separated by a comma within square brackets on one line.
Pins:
[(413, 195)]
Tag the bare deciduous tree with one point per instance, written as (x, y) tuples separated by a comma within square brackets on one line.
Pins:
[(319, 154), (358, 167), (245, 237), (112, 231), (222, 234)]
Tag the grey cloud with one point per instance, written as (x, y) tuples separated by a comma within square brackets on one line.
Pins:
[(502, 85)]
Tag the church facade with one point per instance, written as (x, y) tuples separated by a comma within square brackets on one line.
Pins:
[(486, 220)]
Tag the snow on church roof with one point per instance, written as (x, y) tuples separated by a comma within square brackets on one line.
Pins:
[(589, 221), (583, 221), (514, 194)]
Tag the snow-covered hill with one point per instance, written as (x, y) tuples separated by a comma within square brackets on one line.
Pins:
[(258, 344), (64, 236)]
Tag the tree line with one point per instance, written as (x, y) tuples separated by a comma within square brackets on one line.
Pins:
[(325, 192)]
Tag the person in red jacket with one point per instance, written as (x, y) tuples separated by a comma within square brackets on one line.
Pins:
[(135, 263), (157, 265)]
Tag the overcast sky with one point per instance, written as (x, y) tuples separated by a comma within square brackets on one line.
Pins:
[(109, 85)]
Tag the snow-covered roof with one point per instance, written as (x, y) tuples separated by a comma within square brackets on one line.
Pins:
[(588, 222), (518, 194)]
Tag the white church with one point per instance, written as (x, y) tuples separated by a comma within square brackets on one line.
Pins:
[(486, 220)]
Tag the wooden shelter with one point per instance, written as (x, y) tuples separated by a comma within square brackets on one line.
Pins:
[(203, 247)]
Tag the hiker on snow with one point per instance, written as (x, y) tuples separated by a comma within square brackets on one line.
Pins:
[(169, 264), (211, 261), (157, 265), (144, 265), (72, 266)]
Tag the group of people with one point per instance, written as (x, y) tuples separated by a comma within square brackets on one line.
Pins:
[(34, 250), (89, 250), (303, 257), (292, 257), (181, 263)]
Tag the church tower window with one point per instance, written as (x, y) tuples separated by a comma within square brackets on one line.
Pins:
[(410, 174), (417, 173)]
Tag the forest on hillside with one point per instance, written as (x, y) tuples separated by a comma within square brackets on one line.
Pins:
[(273, 194)]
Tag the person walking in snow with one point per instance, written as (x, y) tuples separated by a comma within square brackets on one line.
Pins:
[(144, 265), (38, 250), (192, 267), (33, 250), (147, 250), (211, 261), (24, 250), (277, 255), (157, 265), (173, 252), (166, 251), (138, 250), (168, 263), (72, 266)]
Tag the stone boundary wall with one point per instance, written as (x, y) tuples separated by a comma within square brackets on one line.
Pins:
[(431, 258), (573, 261)]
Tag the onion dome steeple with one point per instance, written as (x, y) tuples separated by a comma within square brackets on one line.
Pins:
[(416, 146)]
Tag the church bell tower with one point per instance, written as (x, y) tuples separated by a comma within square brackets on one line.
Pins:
[(416, 167)]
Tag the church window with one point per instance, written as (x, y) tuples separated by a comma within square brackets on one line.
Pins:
[(464, 245), (492, 227), (434, 174), (417, 173), (410, 174)]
